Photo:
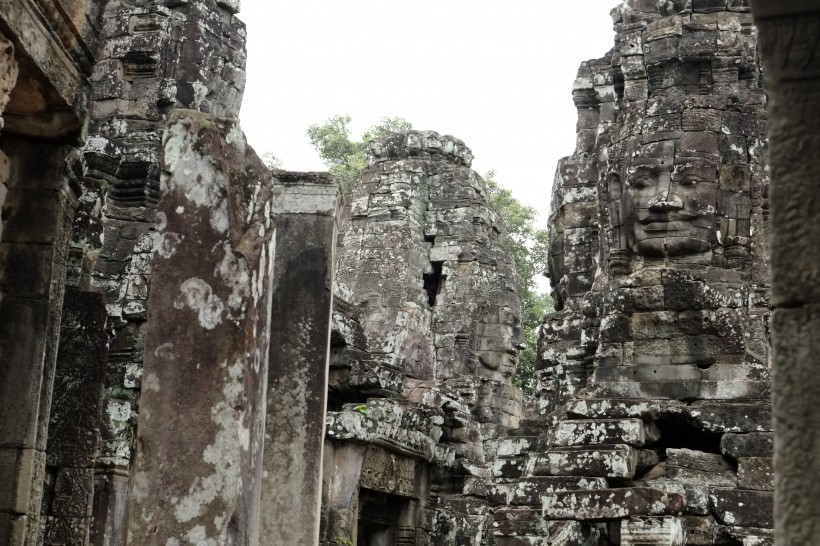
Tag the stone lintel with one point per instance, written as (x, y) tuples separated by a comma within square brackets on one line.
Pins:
[(305, 193), (351, 425), (47, 69)]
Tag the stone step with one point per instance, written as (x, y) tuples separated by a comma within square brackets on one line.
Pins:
[(606, 461), (528, 491), (629, 431), (612, 504), (519, 445)]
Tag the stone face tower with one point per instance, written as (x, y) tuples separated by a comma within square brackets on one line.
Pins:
[(654, 370), (426, 341), (660, 218), (422, 258)]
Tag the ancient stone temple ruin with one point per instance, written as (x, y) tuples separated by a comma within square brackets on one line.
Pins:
[(654, 370), (195, 350), (152, 279), (426, 335)]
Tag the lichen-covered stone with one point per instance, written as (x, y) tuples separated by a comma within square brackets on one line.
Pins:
[(658, 263), (611, 504), (212, 274), (427, 313)]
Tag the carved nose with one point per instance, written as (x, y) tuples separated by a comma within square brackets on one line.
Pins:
[(665, 203)]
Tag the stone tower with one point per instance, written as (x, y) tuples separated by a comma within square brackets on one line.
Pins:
[(653, 376), (426, 341)]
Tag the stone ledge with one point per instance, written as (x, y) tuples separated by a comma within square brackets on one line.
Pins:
[(611, 504)]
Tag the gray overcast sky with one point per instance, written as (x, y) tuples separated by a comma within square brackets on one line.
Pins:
[(498, 75)]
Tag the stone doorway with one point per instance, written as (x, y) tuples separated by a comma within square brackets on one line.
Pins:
[(380, 519)]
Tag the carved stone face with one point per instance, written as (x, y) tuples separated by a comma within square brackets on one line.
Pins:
[(670, 196), (498, 339)]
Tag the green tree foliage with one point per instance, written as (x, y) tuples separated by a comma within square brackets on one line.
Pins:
[(271, 161), (345, 158), (529, 246)]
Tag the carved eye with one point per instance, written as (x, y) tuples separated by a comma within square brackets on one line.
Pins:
[(689, 181), (640, 181)]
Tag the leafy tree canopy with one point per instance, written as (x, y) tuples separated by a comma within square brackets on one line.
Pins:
[(345, 158)]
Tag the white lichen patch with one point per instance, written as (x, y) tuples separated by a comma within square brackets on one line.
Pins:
[(197, 176), (167, 244), (198, 296), (234, 271), (223, 487)]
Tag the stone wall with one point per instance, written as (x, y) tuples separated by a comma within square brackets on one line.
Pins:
[(165, 348), (45, 57)]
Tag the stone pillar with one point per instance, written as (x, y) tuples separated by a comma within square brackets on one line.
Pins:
[(790, 46), (37, 213), (199, 441), (342, 469), (306, 209)]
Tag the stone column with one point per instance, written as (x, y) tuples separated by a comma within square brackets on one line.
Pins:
[(199, 441), (37, 213), (790, 46), (306, 209)]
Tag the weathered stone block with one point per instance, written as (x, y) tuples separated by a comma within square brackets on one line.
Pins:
[(666, 531), (743, 508), (514, 524), (606, 431), (610, 461), (752, 444), (718, 382), (755, 473), (611, 504), (732, 417), (528, 491)]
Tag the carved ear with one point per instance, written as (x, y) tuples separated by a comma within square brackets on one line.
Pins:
[(613, 186)]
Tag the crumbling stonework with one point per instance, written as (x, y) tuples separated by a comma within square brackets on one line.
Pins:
[(137, 279), (426, 339), (654, 370), (176, 320)]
